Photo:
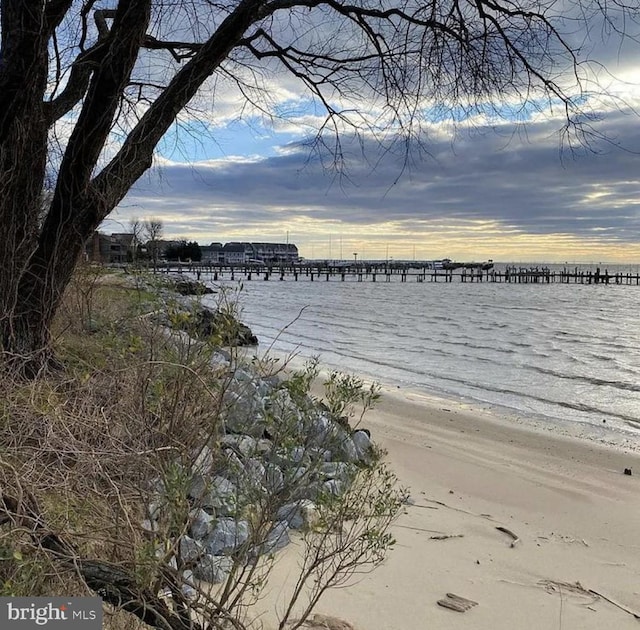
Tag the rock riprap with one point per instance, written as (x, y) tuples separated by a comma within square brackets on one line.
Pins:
[(276, 458)]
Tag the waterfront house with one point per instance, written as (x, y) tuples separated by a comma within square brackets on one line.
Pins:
[(213, 253), (245, 252), (108, 249)]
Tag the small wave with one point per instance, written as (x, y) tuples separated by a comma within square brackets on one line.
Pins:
[(602, 357), (575, 406), (475, 346), (515, 343), (583, 378)]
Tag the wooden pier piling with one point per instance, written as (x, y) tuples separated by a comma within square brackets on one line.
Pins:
[(403, 272)]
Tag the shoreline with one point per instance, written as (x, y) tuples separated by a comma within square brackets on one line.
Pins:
[(469, 471), (626, 440), (559, 360), (604, 437)]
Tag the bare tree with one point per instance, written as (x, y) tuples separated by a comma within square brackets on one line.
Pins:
[(153, 230), (84, 69), (136, 227)]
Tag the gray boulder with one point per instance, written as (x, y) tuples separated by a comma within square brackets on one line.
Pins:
[(337, 470), (233, 468), (285, 414), (190, 550), (221, 325), (186, 286), (364, 446), (342, 446), (244, 375), (244, 414), (255, 472), (310, 490), (213, 569), (203, 462), (318, 455), (188, 585), (155, 507), (273, 478), (243, 444), (149, 525), (201, 524), (197, 486), (277, 538), (264, 387), (300, 514), (248, 476), (221, 495), (287, 457), (264, 446), (335, 487), (319, 431), (227, 535), (296, 475), (220, 359)]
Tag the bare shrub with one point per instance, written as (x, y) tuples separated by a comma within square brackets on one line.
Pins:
[(108, 469)]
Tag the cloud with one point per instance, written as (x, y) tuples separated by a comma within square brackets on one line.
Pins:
[(472, 183), (506, 187)]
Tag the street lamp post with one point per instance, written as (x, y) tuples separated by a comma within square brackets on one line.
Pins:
[(355, 257)]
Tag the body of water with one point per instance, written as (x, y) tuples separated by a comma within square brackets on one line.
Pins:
[(560, 354)]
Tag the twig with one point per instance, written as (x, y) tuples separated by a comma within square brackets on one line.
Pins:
[(561, 606), (578, 588), (515, 540), (635, 615), (451, 507), (421, 529), (115, 585)]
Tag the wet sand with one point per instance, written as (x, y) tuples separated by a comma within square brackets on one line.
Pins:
[(575, 565)]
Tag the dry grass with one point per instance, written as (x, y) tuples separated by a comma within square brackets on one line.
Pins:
[(85, 450), (82, 444)]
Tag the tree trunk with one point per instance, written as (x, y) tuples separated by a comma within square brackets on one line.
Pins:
[(27, 337), (23, 150), (26, 331), (35, 270), (26, 340)]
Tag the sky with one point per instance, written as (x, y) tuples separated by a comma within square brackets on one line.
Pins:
[(484, 185)]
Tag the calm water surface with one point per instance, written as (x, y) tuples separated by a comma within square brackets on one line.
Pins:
[(557, 353)]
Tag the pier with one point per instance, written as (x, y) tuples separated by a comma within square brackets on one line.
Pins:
[(397, 272)]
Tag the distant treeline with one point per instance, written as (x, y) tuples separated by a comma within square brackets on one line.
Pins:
[(184, 251)]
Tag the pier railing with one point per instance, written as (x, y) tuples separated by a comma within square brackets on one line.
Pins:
[(401, 272)]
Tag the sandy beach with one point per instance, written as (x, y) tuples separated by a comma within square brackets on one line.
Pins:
[(575, 564)]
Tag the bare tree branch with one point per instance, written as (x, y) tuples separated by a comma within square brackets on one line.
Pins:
[(375, 69)]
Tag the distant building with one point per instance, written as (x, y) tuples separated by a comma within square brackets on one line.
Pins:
[(237, 253), (119, 248), (275, 252), (244, 252), (212, 253), (116, 248)]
